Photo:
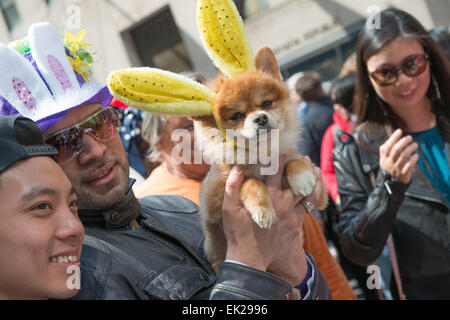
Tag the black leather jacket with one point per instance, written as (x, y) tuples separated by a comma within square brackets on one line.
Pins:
[(416, 214), (163, 258)]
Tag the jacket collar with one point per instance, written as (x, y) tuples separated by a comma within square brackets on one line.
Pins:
[(117, 216)]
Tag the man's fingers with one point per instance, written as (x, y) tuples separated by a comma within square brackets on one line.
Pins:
[(233, 186), (387, 146), (316, 194)]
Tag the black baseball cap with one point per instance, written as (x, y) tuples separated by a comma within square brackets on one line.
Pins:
[(20, 139)]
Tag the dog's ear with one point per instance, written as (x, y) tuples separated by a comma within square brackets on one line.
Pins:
[(266, 62), (216, 84)]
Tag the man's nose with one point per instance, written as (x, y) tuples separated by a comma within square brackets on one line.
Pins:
[(93, 150), (261, 120), (70, 227)]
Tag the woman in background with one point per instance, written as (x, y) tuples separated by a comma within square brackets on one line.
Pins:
[(393, 175)]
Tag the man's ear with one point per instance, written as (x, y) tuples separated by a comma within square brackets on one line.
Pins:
[(266, 62)]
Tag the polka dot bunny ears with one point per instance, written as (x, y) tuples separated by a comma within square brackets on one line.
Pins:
[(226, 42)]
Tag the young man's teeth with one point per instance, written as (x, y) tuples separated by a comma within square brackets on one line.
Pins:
[(64, 259)]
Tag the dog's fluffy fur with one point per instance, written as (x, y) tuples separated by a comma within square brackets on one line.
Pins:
[(245, 94)]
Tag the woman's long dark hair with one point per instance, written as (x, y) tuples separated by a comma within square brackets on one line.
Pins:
[(396, 24)]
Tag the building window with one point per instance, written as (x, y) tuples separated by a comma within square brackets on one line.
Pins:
[(10, 13), (247, 8), (328, 56), (157, 43), (328, 64)]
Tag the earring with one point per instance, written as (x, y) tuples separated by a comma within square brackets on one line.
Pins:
[(436, 86)]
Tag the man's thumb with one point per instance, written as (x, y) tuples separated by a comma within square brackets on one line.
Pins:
[(233, 186)]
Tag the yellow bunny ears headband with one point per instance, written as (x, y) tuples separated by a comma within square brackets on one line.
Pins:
[(223, 36), (224, 39)]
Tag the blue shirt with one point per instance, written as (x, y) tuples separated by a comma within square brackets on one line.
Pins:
[(433, 159)]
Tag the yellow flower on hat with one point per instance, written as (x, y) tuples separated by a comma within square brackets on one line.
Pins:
[(80, 67), (74, 43)]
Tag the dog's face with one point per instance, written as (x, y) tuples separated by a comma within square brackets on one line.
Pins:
[(251, 102)]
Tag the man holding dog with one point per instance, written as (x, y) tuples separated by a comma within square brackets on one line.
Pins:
[(159, 239)]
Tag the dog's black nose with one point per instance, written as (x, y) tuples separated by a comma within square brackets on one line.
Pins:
[(261, 120)]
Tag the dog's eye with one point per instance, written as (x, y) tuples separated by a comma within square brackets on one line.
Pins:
[(237, 116), (266, 104)]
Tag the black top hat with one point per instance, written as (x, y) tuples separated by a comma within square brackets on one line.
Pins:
[(20, 139)]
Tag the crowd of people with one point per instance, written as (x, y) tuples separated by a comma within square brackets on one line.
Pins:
[(69, 196)]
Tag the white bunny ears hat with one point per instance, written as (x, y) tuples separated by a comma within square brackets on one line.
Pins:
[(41, 79)]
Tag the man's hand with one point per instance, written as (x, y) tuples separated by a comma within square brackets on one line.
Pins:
[(396, 156), (277, 249)]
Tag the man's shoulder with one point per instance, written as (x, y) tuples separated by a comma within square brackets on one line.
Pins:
[(161, 204), (174, 215)]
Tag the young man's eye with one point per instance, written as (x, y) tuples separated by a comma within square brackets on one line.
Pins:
[(42, 206), (74, 203), (74, 206)]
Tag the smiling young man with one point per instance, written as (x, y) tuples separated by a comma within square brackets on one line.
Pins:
[(40, 233), (155, 244)]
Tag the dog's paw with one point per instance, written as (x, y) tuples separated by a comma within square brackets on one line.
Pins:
[(263, 216), (302, 184)]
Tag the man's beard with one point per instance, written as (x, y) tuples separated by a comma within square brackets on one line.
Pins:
[(88, 200)]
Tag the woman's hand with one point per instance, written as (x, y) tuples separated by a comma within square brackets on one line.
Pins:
[(396, 156)]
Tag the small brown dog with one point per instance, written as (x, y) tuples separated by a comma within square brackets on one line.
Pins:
[(250, 104)]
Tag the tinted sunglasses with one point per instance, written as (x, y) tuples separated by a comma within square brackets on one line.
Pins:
[(102, 125), (411, 66)]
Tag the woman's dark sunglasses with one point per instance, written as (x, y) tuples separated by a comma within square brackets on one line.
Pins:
[(411, 66), (102, 125)]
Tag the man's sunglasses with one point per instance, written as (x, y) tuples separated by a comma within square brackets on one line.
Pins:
[(411, 66), (102, 125)]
